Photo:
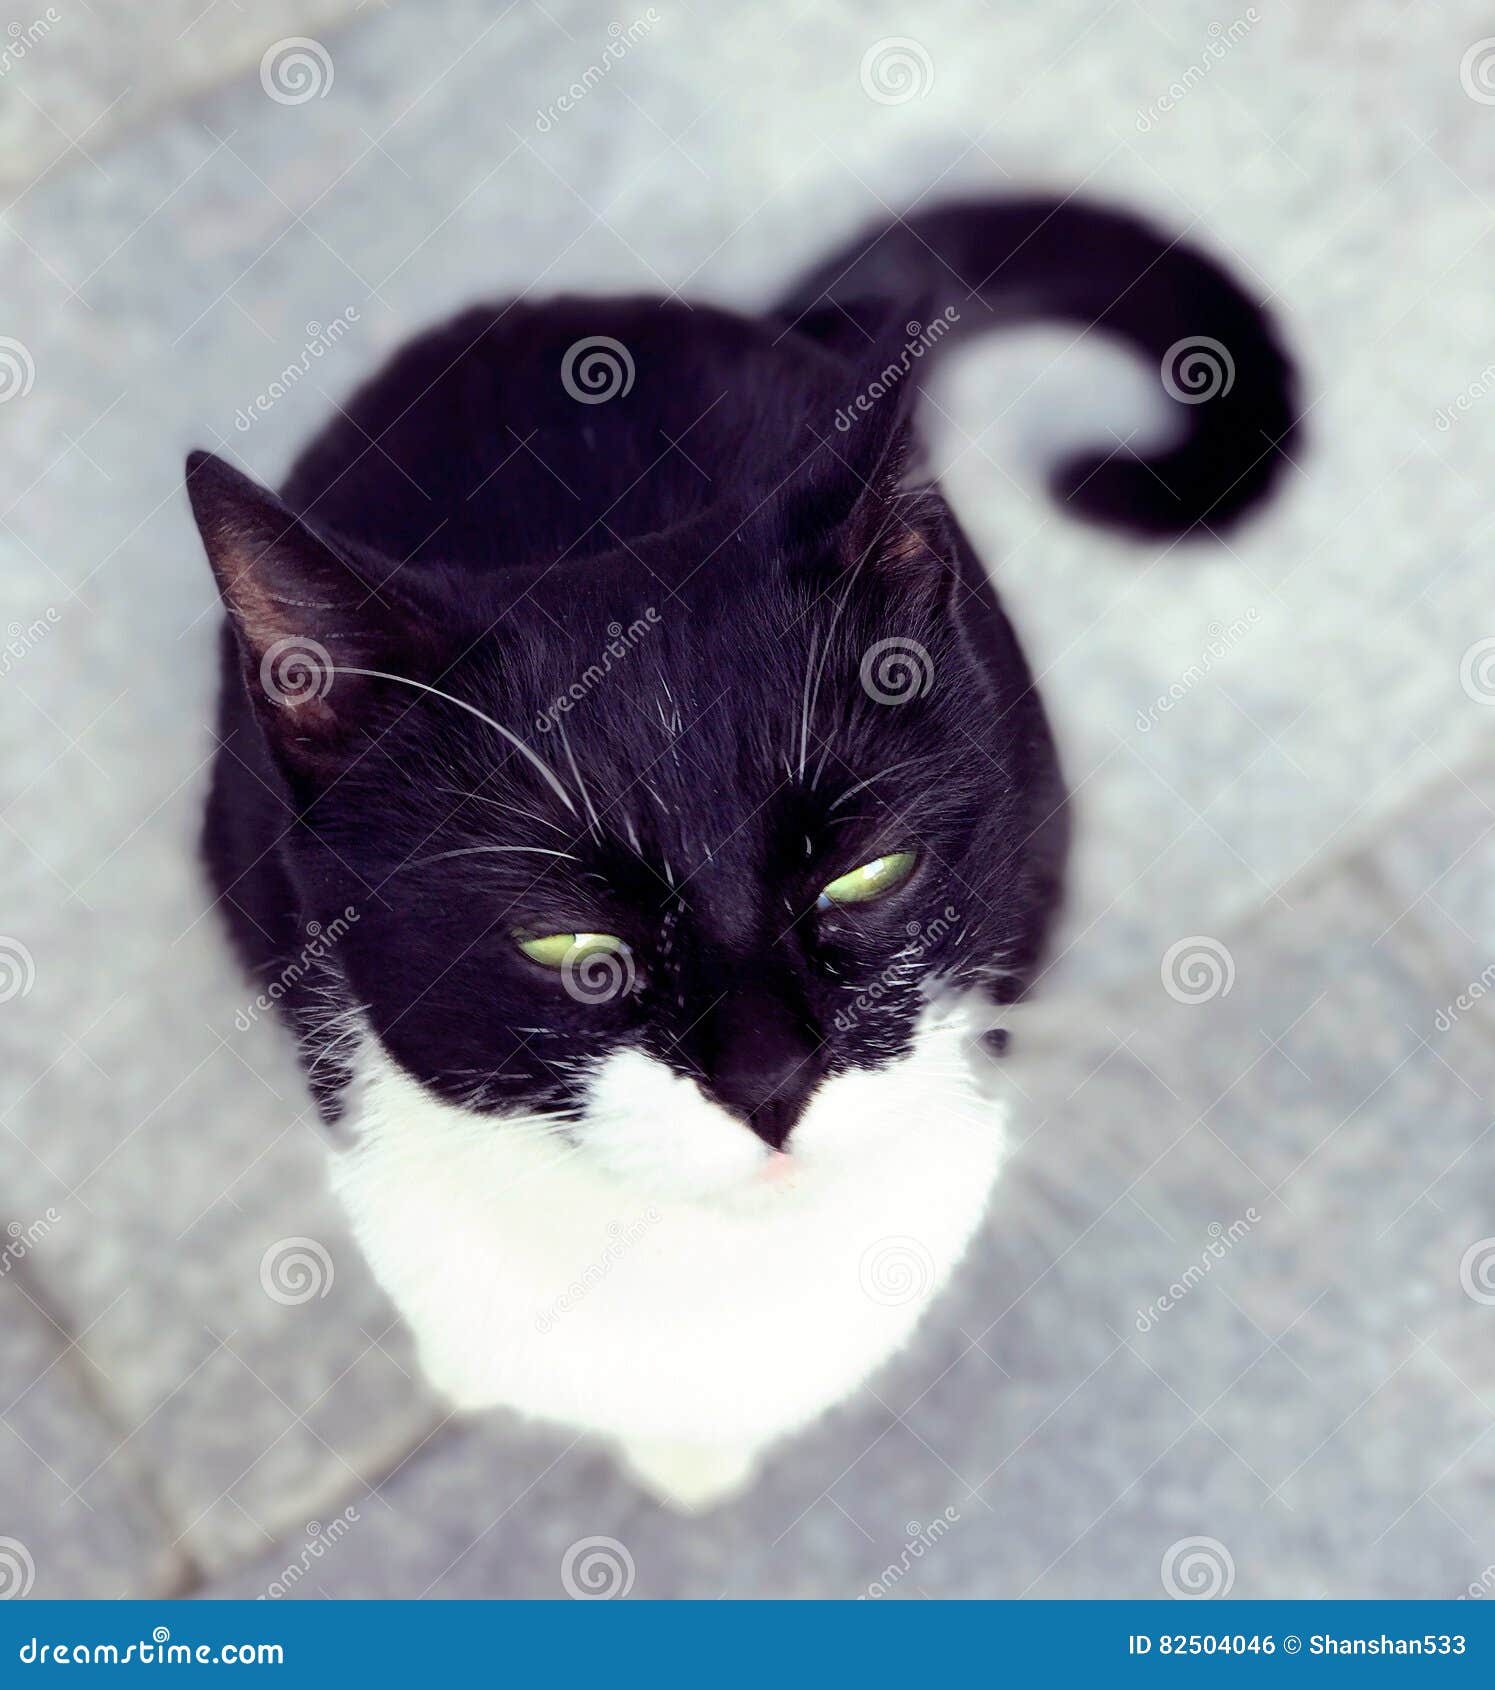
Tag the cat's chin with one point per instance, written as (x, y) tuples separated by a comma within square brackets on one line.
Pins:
[(656, 1274)]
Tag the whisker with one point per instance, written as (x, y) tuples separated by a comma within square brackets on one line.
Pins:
[(483, 851), (436, 692)]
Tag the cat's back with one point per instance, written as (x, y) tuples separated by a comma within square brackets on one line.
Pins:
[(519, 434)]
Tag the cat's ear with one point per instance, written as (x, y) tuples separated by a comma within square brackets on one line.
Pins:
[(862, 483), (306, 612)]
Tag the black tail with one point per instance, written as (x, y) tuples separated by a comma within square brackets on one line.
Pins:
[(1217, 353)]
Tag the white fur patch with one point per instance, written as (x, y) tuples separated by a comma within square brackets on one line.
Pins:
[(654, 1272)]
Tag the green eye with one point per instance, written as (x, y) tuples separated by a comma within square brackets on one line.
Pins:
[(554, 950), (869, 881)]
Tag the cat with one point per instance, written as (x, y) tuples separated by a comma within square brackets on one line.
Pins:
[(627, 716)]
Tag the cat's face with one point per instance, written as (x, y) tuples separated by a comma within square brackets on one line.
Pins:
[(655, 849)]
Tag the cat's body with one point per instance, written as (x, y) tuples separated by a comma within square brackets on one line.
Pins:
[(625, 625)]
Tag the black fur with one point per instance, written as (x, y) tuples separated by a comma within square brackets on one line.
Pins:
[(706, 568)]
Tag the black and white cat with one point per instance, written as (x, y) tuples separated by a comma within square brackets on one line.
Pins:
[(609, 687)]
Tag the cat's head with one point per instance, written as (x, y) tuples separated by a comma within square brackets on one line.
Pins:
[(660, 843)]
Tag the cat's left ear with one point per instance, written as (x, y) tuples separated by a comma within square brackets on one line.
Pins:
[(861, 483), (307, 613)]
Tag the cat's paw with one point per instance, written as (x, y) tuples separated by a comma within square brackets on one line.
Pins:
[(690, 1478)]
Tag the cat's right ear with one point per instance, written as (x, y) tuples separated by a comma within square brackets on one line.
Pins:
[(307, 613)]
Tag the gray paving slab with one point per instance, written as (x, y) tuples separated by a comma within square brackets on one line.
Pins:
[(77, 1512), (1219, 1297), (161, 290)]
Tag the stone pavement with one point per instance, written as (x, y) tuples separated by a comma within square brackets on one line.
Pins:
[(1233, 1287)]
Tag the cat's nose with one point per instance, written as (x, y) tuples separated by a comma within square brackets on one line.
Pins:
[(765, 1062)]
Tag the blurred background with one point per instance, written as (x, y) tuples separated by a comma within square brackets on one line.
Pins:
[(1231, 1325)]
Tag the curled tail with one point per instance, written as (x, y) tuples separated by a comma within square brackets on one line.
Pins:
[(1216, 350)]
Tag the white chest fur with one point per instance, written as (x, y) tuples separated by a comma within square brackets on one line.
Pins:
[(654, 1273)]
